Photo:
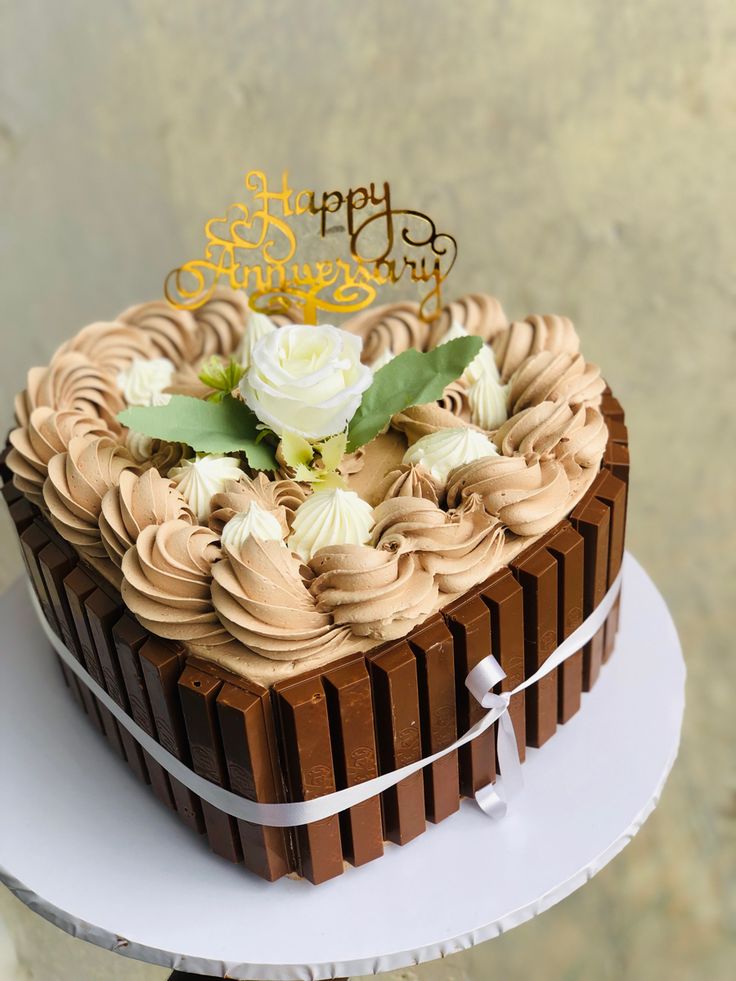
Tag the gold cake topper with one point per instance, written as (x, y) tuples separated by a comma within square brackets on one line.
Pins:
[(254, 247)]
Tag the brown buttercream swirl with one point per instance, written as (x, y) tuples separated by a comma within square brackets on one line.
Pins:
[(556, 378), (394, 327), (477, 313), (537, 430), (77, 481), (167, 579), (221, 322), (49, 431), (529, 496), (420, 420), (455, 400), (171, 333), (260, 597), (539, 332), (409, 480), (111, 345), (458, 549), (378, 593), (72, 381), (280, 497), (583, 446), (136, 503)]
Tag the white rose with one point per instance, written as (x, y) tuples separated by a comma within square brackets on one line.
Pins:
[(306, 380)]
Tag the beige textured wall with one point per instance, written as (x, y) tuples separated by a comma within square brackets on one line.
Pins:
[(583, 153)]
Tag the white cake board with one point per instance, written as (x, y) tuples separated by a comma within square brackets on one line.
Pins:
[(84, 845)]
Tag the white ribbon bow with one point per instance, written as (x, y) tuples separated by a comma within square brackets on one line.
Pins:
[(493, 799)]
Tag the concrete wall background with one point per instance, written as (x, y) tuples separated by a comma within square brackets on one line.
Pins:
[(583, 153)]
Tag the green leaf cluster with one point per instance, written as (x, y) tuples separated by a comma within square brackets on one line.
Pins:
[(227, 426), (411, 378)]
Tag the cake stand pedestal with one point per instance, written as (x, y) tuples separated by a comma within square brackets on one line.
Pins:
[(83, 845)]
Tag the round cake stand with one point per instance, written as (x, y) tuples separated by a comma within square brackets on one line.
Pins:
[(82, 844)]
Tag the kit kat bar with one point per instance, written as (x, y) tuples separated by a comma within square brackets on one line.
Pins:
[(10, 493), (433, 647), (161, 664), (304, 728), (611, 408), (537, 576), (253, 774), (612, 492), (469, 623), (591, 519), (569, 550), (6, 474), (198, 693), (33, 540), (395, 684), (350, 711), (55, 566), (78, 586), (504, 598), (21, 514)]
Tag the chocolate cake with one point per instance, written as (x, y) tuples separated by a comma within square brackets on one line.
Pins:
[(298, 614)]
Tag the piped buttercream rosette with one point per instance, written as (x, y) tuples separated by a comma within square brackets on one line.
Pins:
[(167, 578)]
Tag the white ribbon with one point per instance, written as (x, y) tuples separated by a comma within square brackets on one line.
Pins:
[(480, 681)]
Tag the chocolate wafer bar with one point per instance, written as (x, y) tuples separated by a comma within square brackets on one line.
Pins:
[(350, 711), (469, 622), (161, 664), (433, 647), (591, 519), (536, 572), (129, 636), (567, 546), (21, 514), (306, 752), (252, 773), (611, 408), (11, 493), (33, 540), (504, 598), (393, 672), (198, 695)]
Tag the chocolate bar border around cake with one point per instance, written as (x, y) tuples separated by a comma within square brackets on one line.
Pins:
[(244, 725)]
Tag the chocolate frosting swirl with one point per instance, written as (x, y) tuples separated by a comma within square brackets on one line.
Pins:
[(537, 430), (379, 593), (583, 447), (421, 420), (72, 381), (459, 549), (546, 332), (221, 322), (260, 597), (136, 503), (49, 431), (455, 400), (280, 497), (171, 333), (112, 345), (391, 327), (477, 313), (411, 481), (167, 578), (78, 480), (557, 378), (529, 496)]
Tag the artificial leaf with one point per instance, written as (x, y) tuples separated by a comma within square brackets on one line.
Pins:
[(223, 376), (411, 378), (296, 450), (332, 450), (228, 426)]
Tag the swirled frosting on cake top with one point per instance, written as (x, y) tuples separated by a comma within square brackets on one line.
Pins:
[(271, 574)]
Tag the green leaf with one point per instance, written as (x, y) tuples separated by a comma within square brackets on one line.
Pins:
[(411, 378), (228, 426), (221, 375)]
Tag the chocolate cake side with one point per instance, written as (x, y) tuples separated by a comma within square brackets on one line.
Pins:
[(345, 723)]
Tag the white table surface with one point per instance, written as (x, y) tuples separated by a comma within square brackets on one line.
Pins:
[(85, 846)]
